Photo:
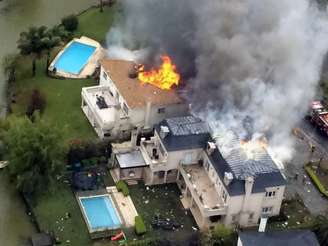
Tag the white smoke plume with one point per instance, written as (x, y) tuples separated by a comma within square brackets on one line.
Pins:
[(255, 59)]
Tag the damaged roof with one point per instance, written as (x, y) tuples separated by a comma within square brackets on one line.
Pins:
[(132, 90), (190, 132)]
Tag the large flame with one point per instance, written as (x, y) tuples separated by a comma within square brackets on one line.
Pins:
[(164, 77), (254, 146)]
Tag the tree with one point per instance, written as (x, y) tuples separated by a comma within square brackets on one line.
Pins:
[(321, 229), (31, 43), (101, 5), (9, 63), (70, 23), (37, 102), (50, 42), (35, 153)]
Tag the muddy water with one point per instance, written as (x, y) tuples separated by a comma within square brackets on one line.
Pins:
[(15, 17)]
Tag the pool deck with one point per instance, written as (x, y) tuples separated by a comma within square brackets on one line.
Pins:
[(91, 64), (124, 205)]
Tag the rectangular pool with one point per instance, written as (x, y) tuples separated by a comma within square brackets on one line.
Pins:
[(100, 213), (74, 57)]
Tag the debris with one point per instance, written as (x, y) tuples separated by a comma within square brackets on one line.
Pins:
[(147, 201), (194, 228), (147, 187)]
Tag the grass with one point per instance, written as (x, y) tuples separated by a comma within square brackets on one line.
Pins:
[(63, 96), (297, 216), (95, 24), (163, 200), (51, 210), (316, 180)]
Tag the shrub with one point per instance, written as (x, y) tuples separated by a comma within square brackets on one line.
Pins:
[(70, 23), (37, 102), (86, 162), (123, 187), (140, 227), (316, 181)]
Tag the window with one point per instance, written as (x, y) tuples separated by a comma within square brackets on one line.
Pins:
[(224, 196), (266, 210), (125, 109), (206, 165), (270, 194), (161, 110), (105, 75), (233, 218), (251, 217)]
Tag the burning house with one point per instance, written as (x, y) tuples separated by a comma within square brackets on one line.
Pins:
[(127, 97), (235, 187)]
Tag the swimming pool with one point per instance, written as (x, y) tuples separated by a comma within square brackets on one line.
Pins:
[(74, 57), (100, 213)]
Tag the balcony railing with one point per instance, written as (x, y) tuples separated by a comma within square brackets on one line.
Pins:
[(220, 210), (159, 163)]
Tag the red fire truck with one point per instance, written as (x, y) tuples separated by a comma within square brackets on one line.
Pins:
[(319, 116)]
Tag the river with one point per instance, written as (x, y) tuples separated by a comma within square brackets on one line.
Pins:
[(15, 17)]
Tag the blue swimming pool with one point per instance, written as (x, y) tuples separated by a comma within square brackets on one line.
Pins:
[(74, 57), (100, 212)]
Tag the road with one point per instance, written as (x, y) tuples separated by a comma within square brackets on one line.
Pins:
[(307, 135)]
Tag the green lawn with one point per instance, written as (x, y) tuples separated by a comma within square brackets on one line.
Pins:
[(51, 212), (63, 96), (94, 24)]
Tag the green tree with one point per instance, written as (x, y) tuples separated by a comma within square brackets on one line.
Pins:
[(35, 153), (50, 41), (221, 236), (70, 23), (9, 63), (31, 43), (101, 5), (321, 229)]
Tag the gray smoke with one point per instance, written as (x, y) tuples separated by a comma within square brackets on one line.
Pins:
[(254, 59)]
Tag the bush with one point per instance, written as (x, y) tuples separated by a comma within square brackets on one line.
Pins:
[(70, 23), (316, 181), (37, 102), (123, 187), (140, 227)]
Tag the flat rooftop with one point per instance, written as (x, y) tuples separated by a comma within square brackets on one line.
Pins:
[(133, 91)]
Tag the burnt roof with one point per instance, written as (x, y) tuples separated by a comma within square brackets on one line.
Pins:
[(198, 137), (135, 93), (278, 238)]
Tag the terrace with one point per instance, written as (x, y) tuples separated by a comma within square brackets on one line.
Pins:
[(199, 188), (153, 153), (101, 108)]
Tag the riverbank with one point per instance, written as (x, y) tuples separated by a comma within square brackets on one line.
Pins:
[(63, 108)]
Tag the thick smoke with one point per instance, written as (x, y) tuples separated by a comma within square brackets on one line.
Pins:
[(240, 59)]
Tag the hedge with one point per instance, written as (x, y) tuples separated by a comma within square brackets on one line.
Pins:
[(140, 227), (123, 187), (316, 181)]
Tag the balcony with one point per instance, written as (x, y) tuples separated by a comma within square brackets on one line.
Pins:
[(101, 107), (202, 190), (153, 154)]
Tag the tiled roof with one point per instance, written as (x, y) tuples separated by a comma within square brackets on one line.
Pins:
[(183, 135), (133, 91), (279, 238)]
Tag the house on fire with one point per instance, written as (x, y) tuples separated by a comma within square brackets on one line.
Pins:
[(230, 189), (121, 102)]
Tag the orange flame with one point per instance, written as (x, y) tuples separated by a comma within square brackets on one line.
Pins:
[(163, 78)]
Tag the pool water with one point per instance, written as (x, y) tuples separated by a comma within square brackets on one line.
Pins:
[(74, 57), (100, 212)]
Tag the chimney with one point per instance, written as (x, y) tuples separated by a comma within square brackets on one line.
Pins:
[(134, 136), (228, 177), (210, 148), (147, 114), (164, 131), (249, 181)]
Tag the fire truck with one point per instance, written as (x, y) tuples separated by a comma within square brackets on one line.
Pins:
[(319, 116)]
